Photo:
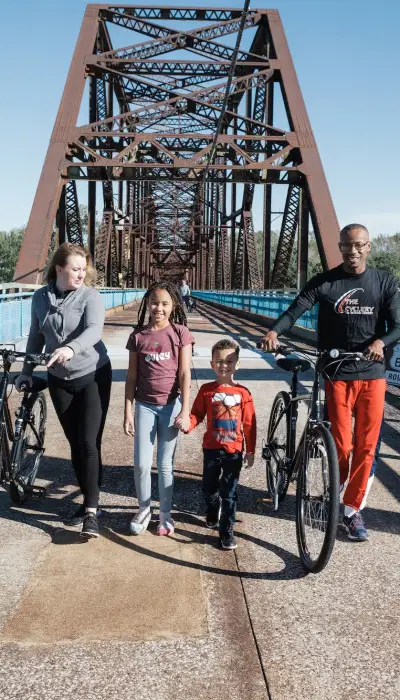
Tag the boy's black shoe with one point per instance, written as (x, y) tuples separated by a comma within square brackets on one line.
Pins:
[(228, 541), (212, 517), (90, 526)]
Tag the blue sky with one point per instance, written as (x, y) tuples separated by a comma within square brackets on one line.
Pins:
[(347, 57)]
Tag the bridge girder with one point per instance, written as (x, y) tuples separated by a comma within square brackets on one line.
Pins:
[(181, 134)]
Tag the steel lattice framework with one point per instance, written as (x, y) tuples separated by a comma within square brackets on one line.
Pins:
[(180, 136)]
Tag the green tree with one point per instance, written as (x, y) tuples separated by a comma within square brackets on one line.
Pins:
[(385, 253), (10, 244)]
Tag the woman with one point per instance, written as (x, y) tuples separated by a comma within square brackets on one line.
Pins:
[(68, 319)]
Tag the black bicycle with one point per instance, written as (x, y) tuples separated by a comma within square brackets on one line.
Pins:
[(313, 463), (22, 445)]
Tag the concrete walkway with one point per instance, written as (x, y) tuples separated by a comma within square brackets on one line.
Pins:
[(178, 618)]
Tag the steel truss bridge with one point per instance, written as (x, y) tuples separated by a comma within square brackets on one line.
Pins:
[(191, 126)]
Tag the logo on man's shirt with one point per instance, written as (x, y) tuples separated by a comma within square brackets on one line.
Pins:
[(347, 304)]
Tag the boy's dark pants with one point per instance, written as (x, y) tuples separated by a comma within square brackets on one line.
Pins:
[(220, 479)]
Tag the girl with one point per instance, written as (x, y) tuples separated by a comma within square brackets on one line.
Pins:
[(159, 379), (68, 319)]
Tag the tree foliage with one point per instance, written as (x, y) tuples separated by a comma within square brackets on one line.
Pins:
[(10, 244)]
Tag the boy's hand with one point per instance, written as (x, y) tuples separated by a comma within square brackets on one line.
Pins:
[(129, 427), (249, 460), (182, 421)]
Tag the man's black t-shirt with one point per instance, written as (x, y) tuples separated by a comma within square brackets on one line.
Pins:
[(353, 311)]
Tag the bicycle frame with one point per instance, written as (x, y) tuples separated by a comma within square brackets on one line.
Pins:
[(6, 426), (7, 432), (295, 456)]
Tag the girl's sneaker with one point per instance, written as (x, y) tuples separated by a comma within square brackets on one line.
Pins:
[(140, 522), (166, 525)]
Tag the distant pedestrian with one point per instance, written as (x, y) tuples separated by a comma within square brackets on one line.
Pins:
[(231, 426), (184, 291), (158, 380)]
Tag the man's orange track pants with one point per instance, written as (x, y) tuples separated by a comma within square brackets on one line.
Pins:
[(365, 399)]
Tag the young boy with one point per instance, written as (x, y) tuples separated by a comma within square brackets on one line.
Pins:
[(230, 415)]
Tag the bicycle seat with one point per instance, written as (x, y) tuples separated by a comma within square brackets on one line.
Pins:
[(289, 364)]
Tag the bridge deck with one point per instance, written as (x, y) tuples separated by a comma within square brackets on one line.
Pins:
[(176, 618)]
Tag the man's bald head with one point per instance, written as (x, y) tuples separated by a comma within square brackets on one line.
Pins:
[(354, 227)]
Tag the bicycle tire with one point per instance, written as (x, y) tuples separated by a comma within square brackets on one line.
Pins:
[(319, 447), (3, 478), (277, 474), (30, 452)]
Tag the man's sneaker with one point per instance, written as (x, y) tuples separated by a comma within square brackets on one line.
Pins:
[(213, 515), (166, 525), (228, 541), (140, 522), (355, 527), (90, 527), (79, 515)]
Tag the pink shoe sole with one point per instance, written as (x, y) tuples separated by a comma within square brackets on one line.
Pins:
[(163, 531)]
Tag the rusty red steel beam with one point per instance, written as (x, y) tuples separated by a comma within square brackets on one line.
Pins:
[(33, 255), (322, 209)]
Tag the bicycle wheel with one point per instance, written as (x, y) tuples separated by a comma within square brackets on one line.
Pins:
[(317, 499), (276, 448), (30, 450), (2, 456)]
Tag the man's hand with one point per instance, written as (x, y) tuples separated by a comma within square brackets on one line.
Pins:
[(61, 356), (129, 427), (375, 350), (270, 342), (182, 421), (249, 460)]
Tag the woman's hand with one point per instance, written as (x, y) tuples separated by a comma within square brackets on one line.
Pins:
[(129, 427), (61, 356), (182, 421), (22, 381)]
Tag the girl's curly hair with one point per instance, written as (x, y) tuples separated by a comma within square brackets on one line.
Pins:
[(178, 313)]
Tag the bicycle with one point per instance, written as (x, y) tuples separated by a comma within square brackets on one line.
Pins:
[(313, 464), (19, 463)]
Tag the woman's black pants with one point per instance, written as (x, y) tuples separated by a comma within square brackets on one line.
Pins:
[(81, 406)]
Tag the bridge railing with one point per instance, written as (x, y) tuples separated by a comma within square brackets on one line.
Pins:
[(266, 302), (15, 308)]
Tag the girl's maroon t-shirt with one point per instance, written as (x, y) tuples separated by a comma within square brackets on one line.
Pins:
[(158, 362)]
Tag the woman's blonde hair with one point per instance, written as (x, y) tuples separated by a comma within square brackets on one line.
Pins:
[(60, 258)]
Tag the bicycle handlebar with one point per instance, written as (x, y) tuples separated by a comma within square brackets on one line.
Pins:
[(12, 356), (333, 354)]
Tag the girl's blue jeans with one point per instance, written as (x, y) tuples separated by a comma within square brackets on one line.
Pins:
[(152, 420)]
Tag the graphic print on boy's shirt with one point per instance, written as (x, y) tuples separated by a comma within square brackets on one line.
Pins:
[(226, 411), (230, 413)]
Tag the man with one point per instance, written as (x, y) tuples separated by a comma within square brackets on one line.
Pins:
[(184, 291), (359, 311)]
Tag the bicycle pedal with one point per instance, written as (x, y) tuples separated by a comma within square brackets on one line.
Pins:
[(264, 500), (38, 491)]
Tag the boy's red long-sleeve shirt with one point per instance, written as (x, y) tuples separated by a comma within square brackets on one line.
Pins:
[(230, 417)]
